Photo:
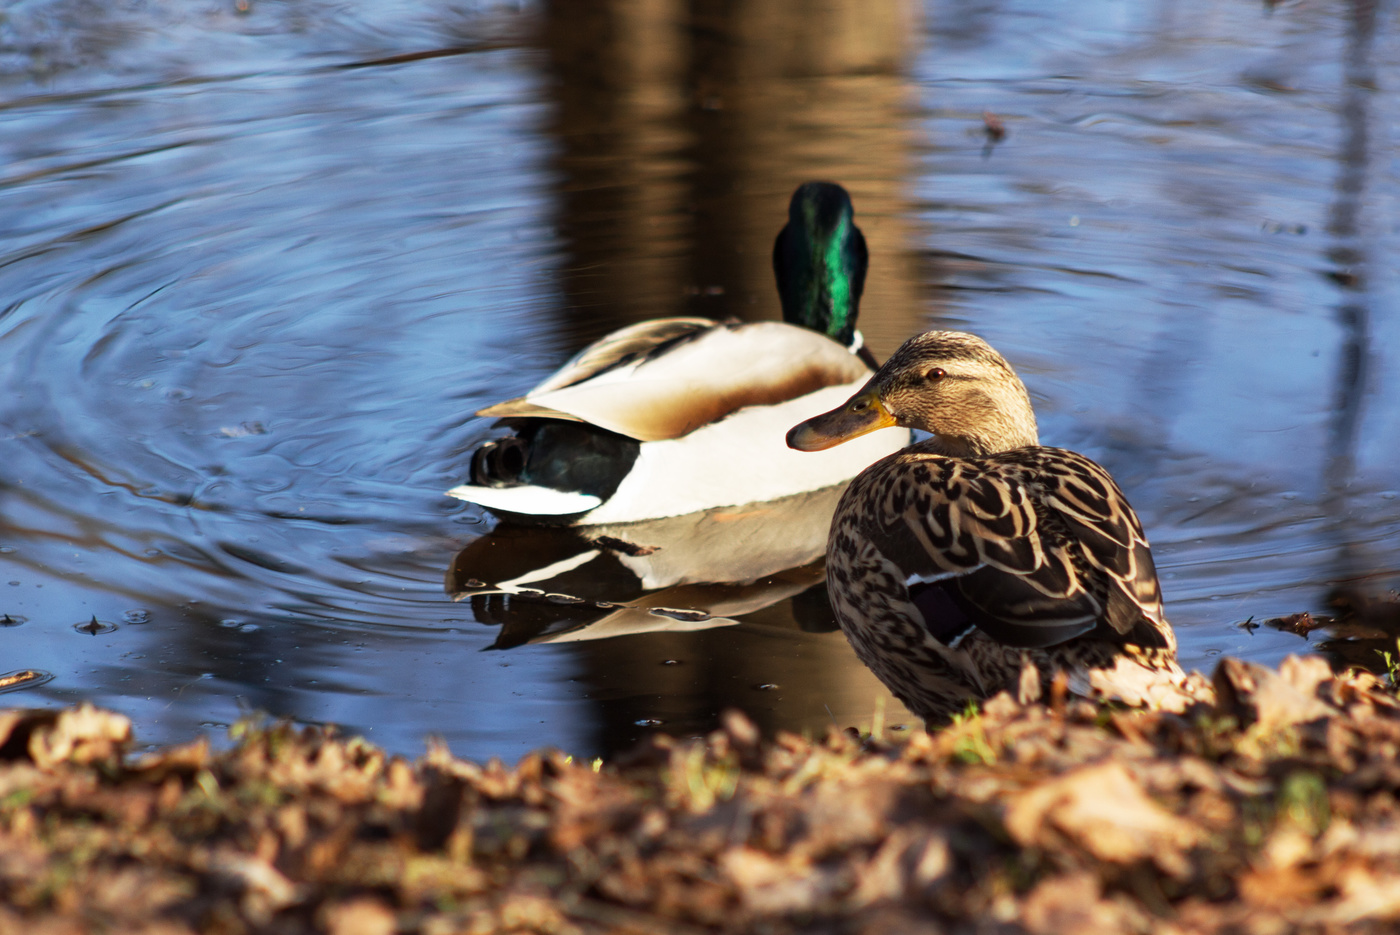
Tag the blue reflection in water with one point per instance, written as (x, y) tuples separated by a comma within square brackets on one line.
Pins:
[(249, 295)]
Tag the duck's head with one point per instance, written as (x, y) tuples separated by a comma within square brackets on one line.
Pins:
[(945, 382), (819, 260)]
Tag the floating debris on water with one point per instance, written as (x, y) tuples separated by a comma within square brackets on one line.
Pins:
[(24, 678), (94, 626), (1300, 624)]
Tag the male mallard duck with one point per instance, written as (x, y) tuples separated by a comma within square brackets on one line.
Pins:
[(678, 415), (954, 561)]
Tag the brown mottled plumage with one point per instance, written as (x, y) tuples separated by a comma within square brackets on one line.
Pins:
[(953, 563)]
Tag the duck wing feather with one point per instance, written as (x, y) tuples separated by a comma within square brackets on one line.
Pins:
[(651, 387), (1035, 546), (630, 345)]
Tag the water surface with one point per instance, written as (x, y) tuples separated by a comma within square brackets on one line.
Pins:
[(257, 271)]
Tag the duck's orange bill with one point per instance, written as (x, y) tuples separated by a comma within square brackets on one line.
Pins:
[(862, 413)]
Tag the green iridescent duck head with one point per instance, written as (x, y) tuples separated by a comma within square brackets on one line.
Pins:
[(819, 260)]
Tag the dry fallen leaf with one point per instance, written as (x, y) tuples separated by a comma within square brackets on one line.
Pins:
[(769, 885), (81, 735), (1260, 695), (1071, 905), (362, 916), (1102, 809)]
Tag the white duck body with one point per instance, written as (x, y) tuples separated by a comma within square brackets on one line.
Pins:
[(709, 405)]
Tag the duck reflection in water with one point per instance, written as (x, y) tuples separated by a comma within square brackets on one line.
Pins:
[(551, 584)]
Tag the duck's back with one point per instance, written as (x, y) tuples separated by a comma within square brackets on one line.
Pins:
[(664, 379), (1033, 546), (949, 575), (673, 416)]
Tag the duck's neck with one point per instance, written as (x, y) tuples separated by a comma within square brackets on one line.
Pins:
[(998, 428), (961, 446)]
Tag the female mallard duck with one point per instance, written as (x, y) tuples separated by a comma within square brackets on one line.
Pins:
[(956, 560), (678, 415)]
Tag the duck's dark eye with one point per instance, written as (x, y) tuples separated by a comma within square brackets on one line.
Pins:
[(859, 405), (936, 374)]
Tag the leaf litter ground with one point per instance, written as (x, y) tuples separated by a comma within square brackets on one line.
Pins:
[(1270, 810)]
